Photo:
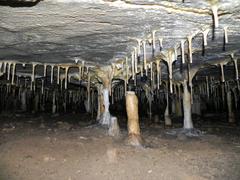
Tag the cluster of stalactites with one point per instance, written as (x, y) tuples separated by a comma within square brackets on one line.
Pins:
[(10, 69)]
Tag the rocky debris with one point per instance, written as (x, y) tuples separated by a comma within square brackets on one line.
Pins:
[(7, 127), (64, 125), (182, 133)]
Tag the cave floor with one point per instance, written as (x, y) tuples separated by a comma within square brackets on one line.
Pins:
[(49, 148)]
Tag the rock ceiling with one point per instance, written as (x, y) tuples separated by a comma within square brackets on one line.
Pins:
[(103, 32)]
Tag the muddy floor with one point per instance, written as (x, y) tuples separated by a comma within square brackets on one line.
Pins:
[(71, 147)]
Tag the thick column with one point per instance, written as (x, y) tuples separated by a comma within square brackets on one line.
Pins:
[(231, 118), (105, 120), (188, 124), (134, 137)]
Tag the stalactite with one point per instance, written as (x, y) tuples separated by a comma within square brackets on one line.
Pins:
[(33, 77), (205, 34), (83, 66), (135, 60), (215, 15), (52, 68), (151, 71), (139, 47), (8, 71), (4, 67), (190, 48), (66, 76), (170, 61), (236, 68), (161, 43), (141, 70), (127, 73), (225, 34), (1, 65), (158, 73), (222, 72), (236, 72), (13, 72), (144, 56), (58, 74), (183, 51), (133, 69), (88, 93), (153, 40), (44, 70)]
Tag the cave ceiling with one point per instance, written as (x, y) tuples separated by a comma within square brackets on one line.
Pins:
[(103, 32)]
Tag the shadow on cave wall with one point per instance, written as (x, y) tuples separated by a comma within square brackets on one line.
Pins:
[(19, 3)]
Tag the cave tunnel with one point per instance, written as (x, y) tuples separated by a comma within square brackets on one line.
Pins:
[(119, 89)]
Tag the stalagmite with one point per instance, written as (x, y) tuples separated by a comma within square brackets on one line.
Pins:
[(215, 15), (187, 107), (24, 99), (42, 86), (231, 118), (167, 119), (88, 109), (141, 71), (54, 102), (13, 72), (207, 84), (134, 137), (190, 48)]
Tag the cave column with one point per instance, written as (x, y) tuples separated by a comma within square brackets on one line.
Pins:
[(134, 137), (106, 80), (188, 124)]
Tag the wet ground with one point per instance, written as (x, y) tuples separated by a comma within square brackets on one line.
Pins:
[(71, 147)]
